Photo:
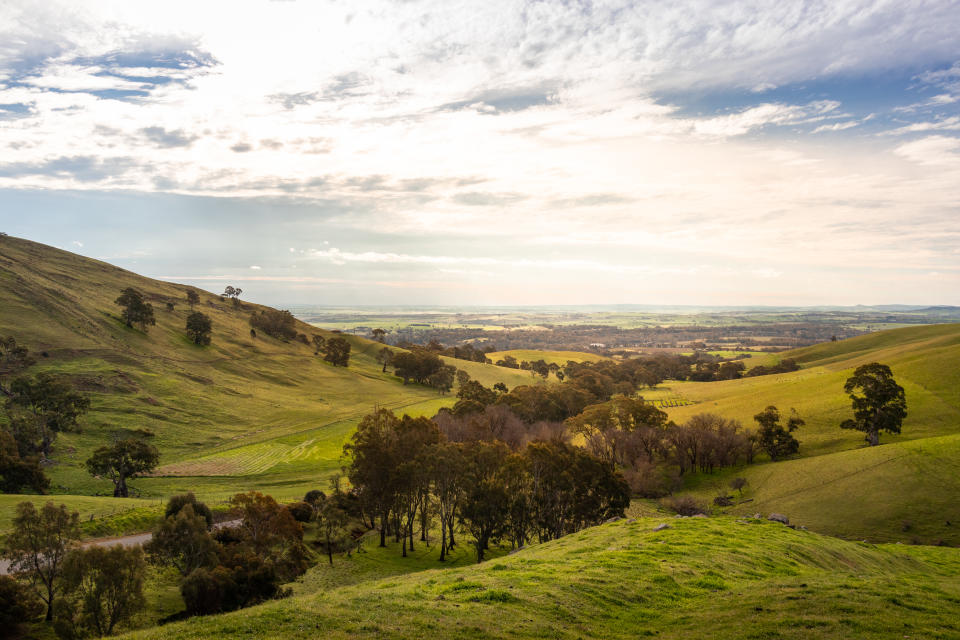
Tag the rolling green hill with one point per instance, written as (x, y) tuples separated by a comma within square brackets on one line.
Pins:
[(242, 413), (904, 489), (735, 578)]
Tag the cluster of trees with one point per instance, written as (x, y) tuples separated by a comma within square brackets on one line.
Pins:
[(784, 366), (229, 567), (276, 323), (423, 366), (85, 591), (404, 471), (136, 311), (37, 408), (336, 350)]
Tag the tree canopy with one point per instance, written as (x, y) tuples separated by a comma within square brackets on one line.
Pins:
[(124, 460), (135, 309), (199, 327), (879, 403)]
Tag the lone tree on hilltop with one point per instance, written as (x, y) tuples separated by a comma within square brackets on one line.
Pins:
[(37, 545), (135, 310), (199, 328), (378, 334), (234, 294), (192, 298), (124, 460), (879, 403)]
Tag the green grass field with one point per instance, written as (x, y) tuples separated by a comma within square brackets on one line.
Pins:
[(737, 578)]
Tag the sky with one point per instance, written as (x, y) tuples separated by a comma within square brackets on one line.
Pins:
[(493, 153)]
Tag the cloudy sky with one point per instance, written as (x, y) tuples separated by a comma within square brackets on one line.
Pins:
[(478, 153)]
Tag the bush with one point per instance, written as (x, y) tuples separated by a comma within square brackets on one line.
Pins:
[(243, 580), (18, 605), (314, 496), (178, 502), (723, 501), (684, 505), (301, 511)]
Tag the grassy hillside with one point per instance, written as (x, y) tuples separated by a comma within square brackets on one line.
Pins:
[(904, 489), (740, 579), (242, 413)]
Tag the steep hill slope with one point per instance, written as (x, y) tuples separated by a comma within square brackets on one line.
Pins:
[(701, 577), (242, 413)]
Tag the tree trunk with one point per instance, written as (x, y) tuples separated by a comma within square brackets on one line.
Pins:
[(873, 437), (120, 488), (443, 539), (383, 531)]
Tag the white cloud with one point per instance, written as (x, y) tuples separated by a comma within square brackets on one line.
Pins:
[(932, 150), (255, 267)]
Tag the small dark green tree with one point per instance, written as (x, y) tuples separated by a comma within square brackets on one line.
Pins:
[(182, 541), (378, 334), (318, 343), (123, 461), (135, 309), (192, 298), (332, 524), (773, 438), (336, 351), (199, 328), (103, 587), (879, 403), (176, 504), (37, 546), (40, 408)]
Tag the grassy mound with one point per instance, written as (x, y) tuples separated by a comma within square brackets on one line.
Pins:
[(739, 579)]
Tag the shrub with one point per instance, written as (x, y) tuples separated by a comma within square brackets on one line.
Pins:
[(18, 605), (723, 501), (684, 505), (178, 502), (314, 496), (301, 511)]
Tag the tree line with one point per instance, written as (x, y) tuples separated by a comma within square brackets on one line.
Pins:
[(406, 472)]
